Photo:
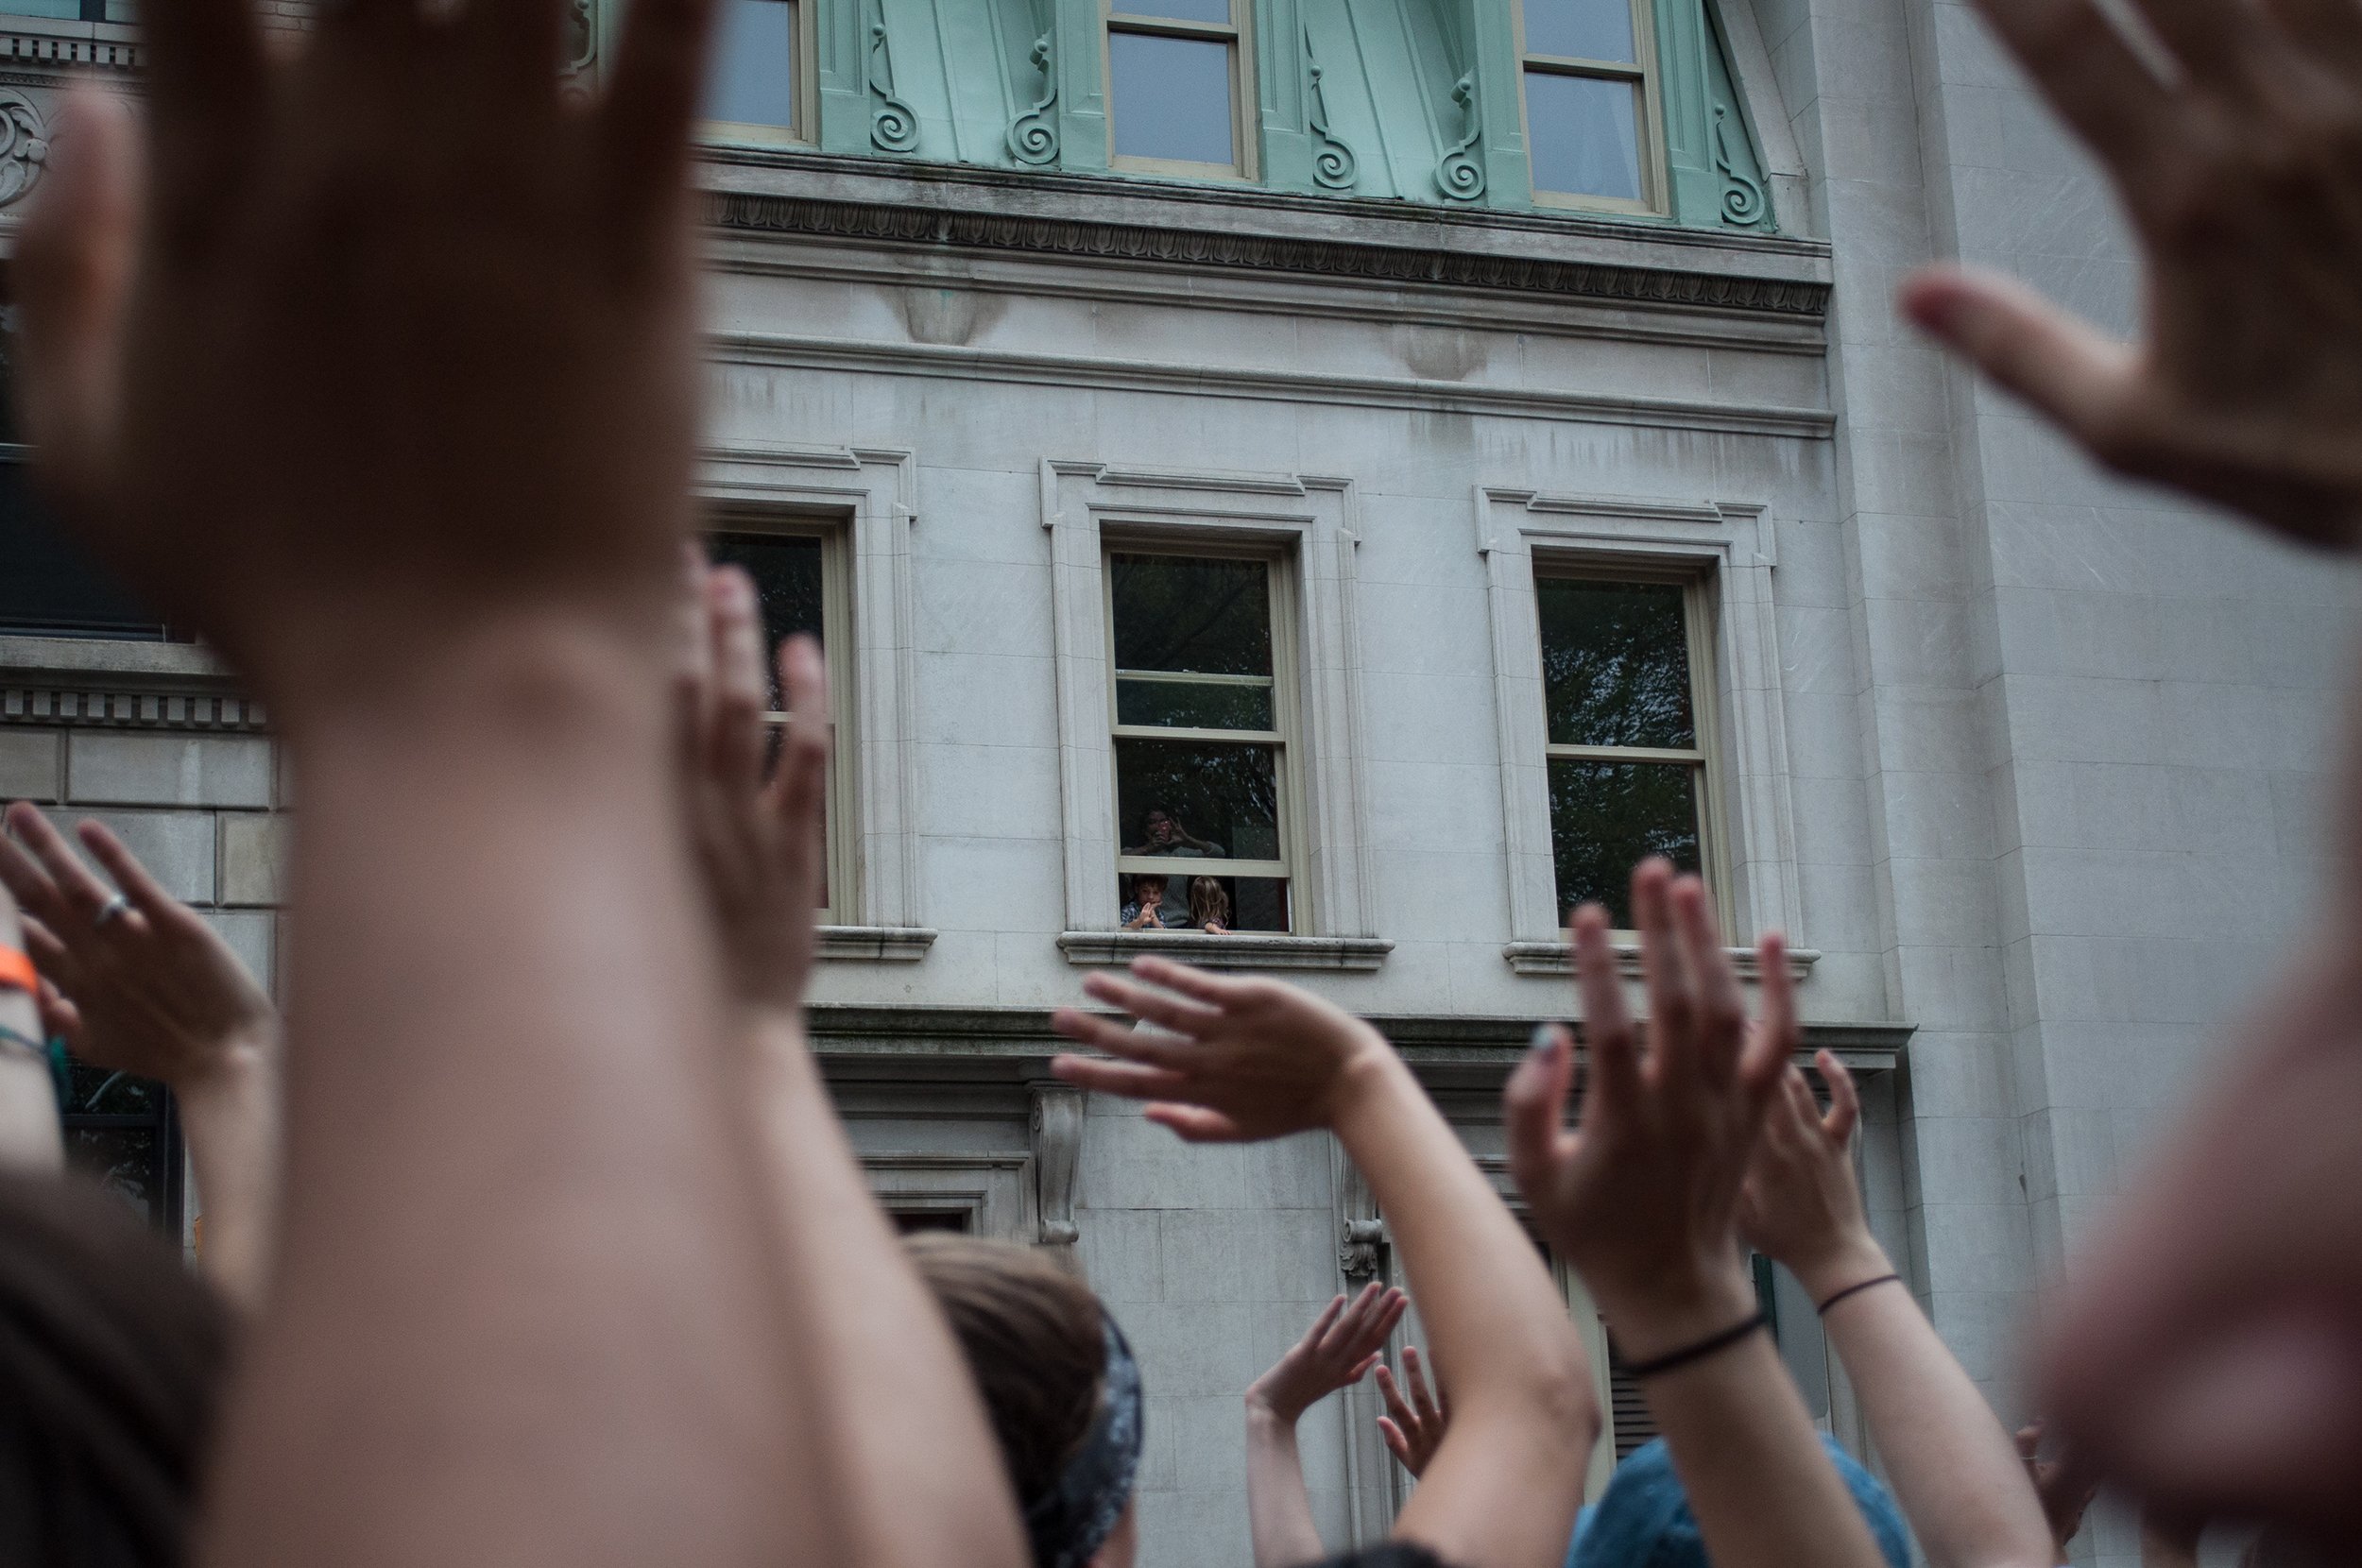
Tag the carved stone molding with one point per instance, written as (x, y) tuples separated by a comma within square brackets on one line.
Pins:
[(1034, 135), (74, 45), (23, 144), (1239, 951), (878, 944), (1460, 174), (1056, 1137), (47, 704), (1555, 958)]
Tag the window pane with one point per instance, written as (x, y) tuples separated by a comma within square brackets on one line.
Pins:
[(1179, 10), (1194, 705), (1586, 134), (1175, 798), (911, 1221), (1585, 30), (1183, 899), (1171, 98), (48, 584), (786, 571), (1204, 617), (1615, 663), (1607, 817), (125, 1160), (753, 76)]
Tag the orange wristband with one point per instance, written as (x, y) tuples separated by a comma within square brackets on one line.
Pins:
[(16, 971)]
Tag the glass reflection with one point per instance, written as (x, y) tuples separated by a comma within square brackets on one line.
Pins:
[(752, 82), (1615, 663), (1170, 98), (1607, 817), (1584, 135), (1191, 800), (1581, 29)]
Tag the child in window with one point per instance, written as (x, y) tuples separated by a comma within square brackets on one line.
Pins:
[(1209, 907), (1147, 911)]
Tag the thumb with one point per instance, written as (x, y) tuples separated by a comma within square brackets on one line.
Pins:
[(1533, 1108), (74, 263), (2066, 369)]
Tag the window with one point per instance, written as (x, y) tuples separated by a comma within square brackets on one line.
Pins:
[(799, 578), (1173, 74), (756, 90), (1588, 69), (1627, 721), (123, 1133), (1201, 706)]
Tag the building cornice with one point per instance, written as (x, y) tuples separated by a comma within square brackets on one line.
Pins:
[(120, 685)]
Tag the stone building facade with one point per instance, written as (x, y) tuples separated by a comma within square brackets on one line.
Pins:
[(1477, 448)]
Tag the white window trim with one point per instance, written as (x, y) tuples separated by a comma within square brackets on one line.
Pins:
[(1311, 518), (872, 495), (1733, 542), (805, 131), (991, 1190), (1643, 73)]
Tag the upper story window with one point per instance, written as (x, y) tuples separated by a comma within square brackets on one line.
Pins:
[(1589, 67), (1628, 720), (801, 584), (1175, 70), (1202, 706), (756, 89)]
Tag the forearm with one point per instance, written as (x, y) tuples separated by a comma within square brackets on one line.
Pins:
[(513, 1139), (29, 1137), (1278, 1507), (1503, 1487), (232, 1120), (1955, 1471), (910, 1457)]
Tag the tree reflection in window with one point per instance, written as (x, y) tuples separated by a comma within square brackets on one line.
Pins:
[(125, 1134)]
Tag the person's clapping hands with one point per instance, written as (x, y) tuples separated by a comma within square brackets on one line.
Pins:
[(1642, 1197), (1800, 1205), (1337, 1351), (1415, 1417), (758, 838)]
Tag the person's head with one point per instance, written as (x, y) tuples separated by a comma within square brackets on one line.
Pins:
[(113, 1355), (1059, 1386), (1148, 888), (1157, 826), (1208, 904), (1643, 1521)]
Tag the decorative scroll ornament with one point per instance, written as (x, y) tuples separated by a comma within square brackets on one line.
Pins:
[(1034, 135), (1360, 1249), (1333, 164), (23, 144), (1459, 176), (582, 37), (893, 125), (1742, 198), (1057, 1147)]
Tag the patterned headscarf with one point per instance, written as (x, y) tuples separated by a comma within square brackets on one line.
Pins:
[(1073, 1519)]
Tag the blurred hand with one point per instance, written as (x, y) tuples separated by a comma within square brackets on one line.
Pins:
[(1223, 1060), (2244, 187), (335, 351), (1413, 1427), (1642, 1198), (1800, 1205), (1337, 1351), (152, 990), (2066, 1486), (759, 842)]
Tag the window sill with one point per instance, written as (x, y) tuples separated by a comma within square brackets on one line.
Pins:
[(1240, 951), (876, 943), (1555, 958)]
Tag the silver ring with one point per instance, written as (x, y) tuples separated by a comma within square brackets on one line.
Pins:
[(111, 910)]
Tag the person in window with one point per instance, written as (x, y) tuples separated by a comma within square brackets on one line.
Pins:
[(1148, 910), (1209, 907), (1162, 834)]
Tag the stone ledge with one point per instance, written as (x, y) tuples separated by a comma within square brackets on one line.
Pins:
[(1237, 951), (878, 943), (1555, 958)]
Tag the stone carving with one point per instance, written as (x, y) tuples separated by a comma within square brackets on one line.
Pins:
[(893, 125), (1057, 1140), (1333, 164), (582, 36), (23, 144), (1460, 175), (1361, 1239), (1742, 198), (1034, 135)]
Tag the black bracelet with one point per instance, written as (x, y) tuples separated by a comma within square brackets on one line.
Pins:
[(1858, 1289), (1700, 1350)]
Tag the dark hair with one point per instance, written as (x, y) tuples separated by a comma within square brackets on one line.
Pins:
[(1033, 1339), (1392, 1554), (112, 1359), (1208, 903)]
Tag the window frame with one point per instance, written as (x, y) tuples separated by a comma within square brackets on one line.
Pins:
[(1655, 184), (1239, 33), (1279, 587), (1699, 632), (805, 86), (836, 659)]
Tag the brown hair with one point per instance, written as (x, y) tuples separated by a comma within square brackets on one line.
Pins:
[(1208, 904), (1031, 1335)]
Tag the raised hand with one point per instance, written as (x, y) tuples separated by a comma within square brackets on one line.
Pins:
[(758, 839), (1222, 1060), (1413, 1426), (2066, 1486), (1800, 1205), (2240, 180), (1337, 1351), (333, 373), (1642, 1198)]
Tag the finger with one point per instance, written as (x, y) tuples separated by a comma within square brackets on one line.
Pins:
[(1361, 1368), (798, 795), (2090, 76), (1533, 1110), (2029, 1440), (83, 895), (2080, 379), (1777, 1033), (146, 894), (1320, 1324), (1196, 1123), (74, 263), (1397, 1443), (652, 100), (1124, 1042), (1389, 1390), (1115, 1078), (1192, 983), (1722, 1006), (49, 955), (1414, 1370), (59, 1019), (737, 699), (1664, 974), (1391, 1315), (1192, 1019), (2225, 43), (1844, 1103), (205, 71), (1610, 1044), (35, 893), (1354, 1321)]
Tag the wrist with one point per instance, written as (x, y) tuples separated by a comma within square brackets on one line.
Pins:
[(525, 670), (1370, 1074), (1677, 1309), (1266, 1412), (1826, 1272)]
